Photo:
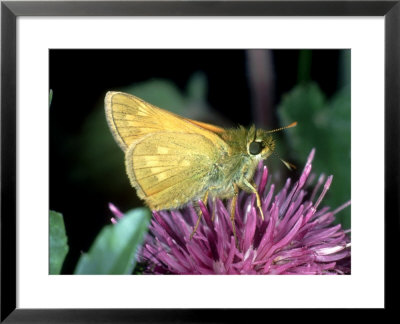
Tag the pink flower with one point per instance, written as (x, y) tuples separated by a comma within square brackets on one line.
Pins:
[(295, 237)]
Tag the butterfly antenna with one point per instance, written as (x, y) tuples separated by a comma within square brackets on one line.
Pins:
[(289, 165), (282, 128)]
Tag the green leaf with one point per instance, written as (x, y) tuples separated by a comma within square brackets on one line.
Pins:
[(58, 242), (304, 67), (50, 97), (114, 250), (196, 87), (325, 125)]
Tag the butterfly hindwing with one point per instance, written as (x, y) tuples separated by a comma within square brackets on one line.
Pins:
[(168, 164)]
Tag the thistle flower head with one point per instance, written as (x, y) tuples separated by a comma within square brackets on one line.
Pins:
[(295, 237)]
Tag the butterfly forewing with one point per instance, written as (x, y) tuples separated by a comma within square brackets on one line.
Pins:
[(131, 118), (165, 165)]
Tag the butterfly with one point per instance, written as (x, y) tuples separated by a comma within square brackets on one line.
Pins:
[(172, 161)]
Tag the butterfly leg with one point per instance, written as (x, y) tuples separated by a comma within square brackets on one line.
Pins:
[(247, 186), (199, 214), (233, 207)]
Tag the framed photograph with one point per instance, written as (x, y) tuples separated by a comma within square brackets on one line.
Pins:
[(178, 155)]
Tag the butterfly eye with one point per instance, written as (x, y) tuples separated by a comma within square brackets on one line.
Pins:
[(255, 148)]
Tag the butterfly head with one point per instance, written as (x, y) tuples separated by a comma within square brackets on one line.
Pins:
[(259, 143)]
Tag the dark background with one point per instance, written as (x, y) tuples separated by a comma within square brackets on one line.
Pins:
[(87, 166)]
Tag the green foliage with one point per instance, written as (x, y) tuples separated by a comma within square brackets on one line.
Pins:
[(304, 67), (98, 157), (165, 94), (115, 248), (325, 125), (196, 88), (50, 97), (58, 242)]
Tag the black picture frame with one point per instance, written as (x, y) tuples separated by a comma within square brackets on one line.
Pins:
[(10, 10)]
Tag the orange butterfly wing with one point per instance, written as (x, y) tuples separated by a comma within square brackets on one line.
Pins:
[(130, 118)]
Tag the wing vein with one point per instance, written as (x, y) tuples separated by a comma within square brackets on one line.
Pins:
[(154, 174), (159, 182)]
